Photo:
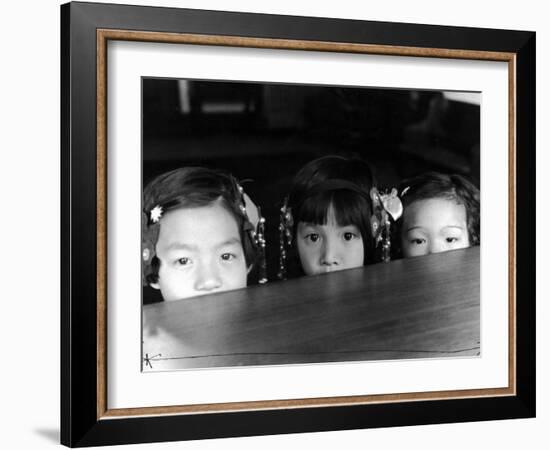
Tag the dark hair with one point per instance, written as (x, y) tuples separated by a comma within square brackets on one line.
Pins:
[(191, 187), (336, 182), (450, 187)]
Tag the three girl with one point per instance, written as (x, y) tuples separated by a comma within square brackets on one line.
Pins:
[(202, 234)]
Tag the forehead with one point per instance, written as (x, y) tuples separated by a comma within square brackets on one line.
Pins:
[(201, 226), (433, 212)]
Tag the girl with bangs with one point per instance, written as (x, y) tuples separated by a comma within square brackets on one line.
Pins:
[(326, 218)]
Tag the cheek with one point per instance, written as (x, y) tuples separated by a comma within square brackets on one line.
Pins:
[(306, 253), (164, 275), (235, 277), (308, 259), (358, 252), (173, 285)]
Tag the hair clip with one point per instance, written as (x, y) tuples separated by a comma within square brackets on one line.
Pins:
[(146, 255), (404, 191), (392, 204), (254, 223), (387, 207), (259, 238), (286, 224), (156, 214), (149, 236)]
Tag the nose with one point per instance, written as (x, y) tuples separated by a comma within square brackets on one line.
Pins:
[(330, 255), (208, 278)]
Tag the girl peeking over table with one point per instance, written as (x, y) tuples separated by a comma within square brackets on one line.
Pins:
[(440, 213), (326, 218), (200, 233)]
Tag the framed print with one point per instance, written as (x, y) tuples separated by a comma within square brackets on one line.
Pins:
[(278, 224)]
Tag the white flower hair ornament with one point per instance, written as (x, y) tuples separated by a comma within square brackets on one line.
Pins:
[(387, 207), (155, 214)]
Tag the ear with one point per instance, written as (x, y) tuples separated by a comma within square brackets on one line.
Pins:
[(155, 285)]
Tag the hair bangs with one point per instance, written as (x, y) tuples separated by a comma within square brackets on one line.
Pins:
[(345, 207)]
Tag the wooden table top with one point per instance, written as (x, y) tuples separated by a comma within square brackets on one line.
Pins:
[(424, 307)]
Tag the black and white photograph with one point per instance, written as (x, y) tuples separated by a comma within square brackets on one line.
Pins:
[(300, 224), (272, 224)]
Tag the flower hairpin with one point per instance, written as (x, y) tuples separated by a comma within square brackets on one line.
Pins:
[(392, 204), (156, 214), (254, 224), (387, 207)]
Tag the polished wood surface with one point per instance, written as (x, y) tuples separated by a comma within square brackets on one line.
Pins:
[(425, 307)]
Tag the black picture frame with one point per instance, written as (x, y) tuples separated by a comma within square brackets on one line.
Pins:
[(82, 421)]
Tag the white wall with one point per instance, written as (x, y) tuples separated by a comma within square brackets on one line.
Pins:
[(29, 324)]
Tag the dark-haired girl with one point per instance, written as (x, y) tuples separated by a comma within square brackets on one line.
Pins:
[(326, 217), (441, 213), (198, 233)]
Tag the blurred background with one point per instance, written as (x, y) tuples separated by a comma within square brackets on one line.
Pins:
[(267, 132)]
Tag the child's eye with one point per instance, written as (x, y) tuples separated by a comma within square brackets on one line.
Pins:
[(418, 241), (451, 240), (183, 261), (228, 256), (348, 236), (313, 237)]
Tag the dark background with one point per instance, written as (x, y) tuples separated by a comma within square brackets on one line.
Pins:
[(267, 132)]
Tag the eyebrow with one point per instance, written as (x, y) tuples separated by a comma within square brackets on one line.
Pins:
[(447, 226), (194, 247), (181, 246), (230, 241)]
